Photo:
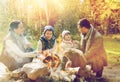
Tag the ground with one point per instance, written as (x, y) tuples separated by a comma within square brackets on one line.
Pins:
[(112, 46), (112, 73)]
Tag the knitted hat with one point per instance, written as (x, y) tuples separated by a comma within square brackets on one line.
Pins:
[(65, 32), (48, 27)]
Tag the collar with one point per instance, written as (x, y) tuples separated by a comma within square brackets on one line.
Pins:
[(88, 34)]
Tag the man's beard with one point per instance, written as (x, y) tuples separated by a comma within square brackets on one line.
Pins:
[(84, 34)]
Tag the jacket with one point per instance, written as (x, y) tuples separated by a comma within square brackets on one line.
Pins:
[(47, 44), (13, 54), (94, 50)]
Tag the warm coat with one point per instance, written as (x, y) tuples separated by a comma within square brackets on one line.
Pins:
[(76, 57), (65, 45), (43, 43), (47, 44), (94, 51), (68, 44), (13, 54)]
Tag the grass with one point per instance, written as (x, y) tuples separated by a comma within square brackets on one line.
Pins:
[(112, 46)]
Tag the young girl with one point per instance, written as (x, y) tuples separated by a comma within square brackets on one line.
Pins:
[(67, 41)]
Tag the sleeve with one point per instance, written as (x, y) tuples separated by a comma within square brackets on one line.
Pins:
[(95, 47), (54, 47), (63, 62), (62, 47), (26, 41), (39, 46), (14, 50)]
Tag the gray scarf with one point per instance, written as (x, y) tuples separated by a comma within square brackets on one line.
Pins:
[(86, 40), (19, 40)]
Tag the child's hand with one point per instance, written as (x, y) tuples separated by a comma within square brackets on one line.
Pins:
[(47, 52)]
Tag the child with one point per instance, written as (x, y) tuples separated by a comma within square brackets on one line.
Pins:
[(67, 41), (47, 41)]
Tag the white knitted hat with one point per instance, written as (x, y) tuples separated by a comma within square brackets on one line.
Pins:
[(65, 32)]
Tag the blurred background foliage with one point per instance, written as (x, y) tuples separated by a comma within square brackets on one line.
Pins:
[(64, 15), (61, 14)]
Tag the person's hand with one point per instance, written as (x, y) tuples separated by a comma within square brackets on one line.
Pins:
[(68, 64), (36, 52), (47, 52)]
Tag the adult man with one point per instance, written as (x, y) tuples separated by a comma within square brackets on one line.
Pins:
[(92, 46)]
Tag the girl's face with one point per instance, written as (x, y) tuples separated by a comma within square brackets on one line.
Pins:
[(20, 29), (67, 37), (48, 34)]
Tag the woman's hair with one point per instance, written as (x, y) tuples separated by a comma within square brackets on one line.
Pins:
[(14, 24)]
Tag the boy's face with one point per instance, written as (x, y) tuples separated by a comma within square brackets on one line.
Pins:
[(48, 34), (67, 37)]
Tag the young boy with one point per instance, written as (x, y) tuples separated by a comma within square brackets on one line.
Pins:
[(47, 41)]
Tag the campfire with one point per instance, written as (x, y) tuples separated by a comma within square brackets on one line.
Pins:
[(52, 61), (50, 64)]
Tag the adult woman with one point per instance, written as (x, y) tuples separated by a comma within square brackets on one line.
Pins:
[(14, 53)]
